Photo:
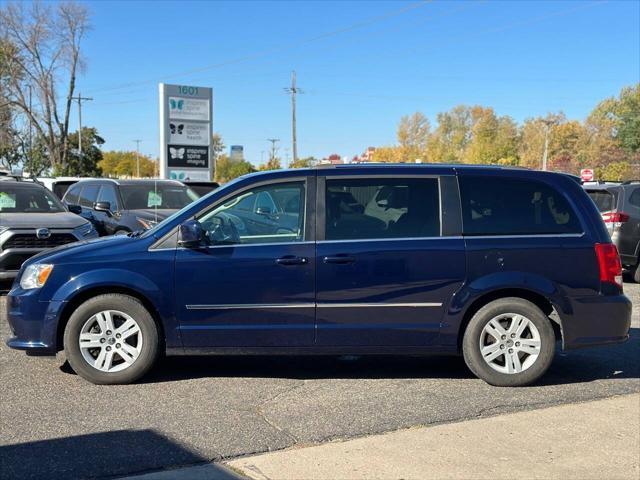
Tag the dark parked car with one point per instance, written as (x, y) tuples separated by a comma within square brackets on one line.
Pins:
[(619, 205), (201, 188), (492, 263), (124, 206), (32, 219)]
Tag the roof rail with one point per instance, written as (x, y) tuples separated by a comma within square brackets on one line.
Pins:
[(629, 182)]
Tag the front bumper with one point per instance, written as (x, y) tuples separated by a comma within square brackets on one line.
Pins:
[(33, 323), (596, 320)]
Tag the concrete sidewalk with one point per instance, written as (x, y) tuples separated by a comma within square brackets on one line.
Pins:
[(594, 440)]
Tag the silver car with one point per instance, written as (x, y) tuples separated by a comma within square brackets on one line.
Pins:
[(32, 219)]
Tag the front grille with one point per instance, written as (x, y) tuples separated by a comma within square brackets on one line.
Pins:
[(26, 240)]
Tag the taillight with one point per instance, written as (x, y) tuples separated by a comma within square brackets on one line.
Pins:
[(615, 217), (609, 263)]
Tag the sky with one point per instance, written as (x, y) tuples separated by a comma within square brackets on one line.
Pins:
[(361, 65)]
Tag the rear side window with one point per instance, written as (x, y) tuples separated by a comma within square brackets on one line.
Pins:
[(634, 199), (605, 200), (377, 208), (88, 195), (506, 206)]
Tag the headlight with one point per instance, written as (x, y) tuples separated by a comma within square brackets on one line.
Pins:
[(147, 224), (35, 276), (84, 230)]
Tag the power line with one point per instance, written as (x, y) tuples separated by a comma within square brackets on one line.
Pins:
[(278, 49)]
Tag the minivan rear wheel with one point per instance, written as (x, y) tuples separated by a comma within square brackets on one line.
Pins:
[(111, 339), (509, 342)]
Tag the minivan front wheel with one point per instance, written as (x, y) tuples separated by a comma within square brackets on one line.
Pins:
[(509, 342), (111, 339)]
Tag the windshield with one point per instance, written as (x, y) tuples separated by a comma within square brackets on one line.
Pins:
[(27, 199), (148, 195), (175, 215), (604, 200)]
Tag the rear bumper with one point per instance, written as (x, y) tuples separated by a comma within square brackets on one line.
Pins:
[(597, 320)]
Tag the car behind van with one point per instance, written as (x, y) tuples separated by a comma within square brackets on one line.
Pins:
[(495, 264)]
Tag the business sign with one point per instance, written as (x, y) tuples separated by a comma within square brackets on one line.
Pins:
[(188, 109), (189, 133), (586, 174), (236, 152), (185, 132), (186, 156)]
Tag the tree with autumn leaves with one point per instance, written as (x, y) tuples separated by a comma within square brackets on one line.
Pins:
[(608, 140)]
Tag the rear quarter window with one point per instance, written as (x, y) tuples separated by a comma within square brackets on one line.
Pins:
[(508, 206), (605, 200)]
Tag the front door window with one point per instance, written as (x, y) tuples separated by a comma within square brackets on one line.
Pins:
[(269, 214)]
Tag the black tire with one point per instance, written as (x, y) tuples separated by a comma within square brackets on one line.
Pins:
[(125, 304), (472, 337)]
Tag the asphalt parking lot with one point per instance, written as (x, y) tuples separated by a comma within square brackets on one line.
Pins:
[(53, 424)]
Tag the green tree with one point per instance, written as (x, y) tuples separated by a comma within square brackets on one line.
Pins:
[(87, 166), (228, 169)]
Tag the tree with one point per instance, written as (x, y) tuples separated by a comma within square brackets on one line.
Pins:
[(388, 155), (627, 119), (449, 141), (228, 169), (492, 139), (413, 135), (125, 164), (88, 165), (40, 46), (306, 162), (272, 164)]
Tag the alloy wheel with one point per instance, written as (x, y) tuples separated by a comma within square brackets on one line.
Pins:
[(110, 341), (510, 343)]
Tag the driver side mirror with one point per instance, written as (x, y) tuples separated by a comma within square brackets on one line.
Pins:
[(77, 209), (102, 207), (190, 234)]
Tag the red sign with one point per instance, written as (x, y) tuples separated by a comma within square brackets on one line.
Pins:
[(586, 174)]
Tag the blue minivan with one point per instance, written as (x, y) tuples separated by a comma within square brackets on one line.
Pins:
[(496, 264)]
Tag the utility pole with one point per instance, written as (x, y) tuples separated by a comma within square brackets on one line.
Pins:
[(293, 91), (547, 128), (274, 149), (138, 157), (30, 134), (80, 99)]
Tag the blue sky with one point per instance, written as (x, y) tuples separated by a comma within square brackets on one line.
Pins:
[(361, 64)]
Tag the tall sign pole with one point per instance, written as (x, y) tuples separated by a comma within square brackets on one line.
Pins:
[(185, 132)]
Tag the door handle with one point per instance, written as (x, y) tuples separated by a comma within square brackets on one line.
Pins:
[(340, 259), (291, 260)]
